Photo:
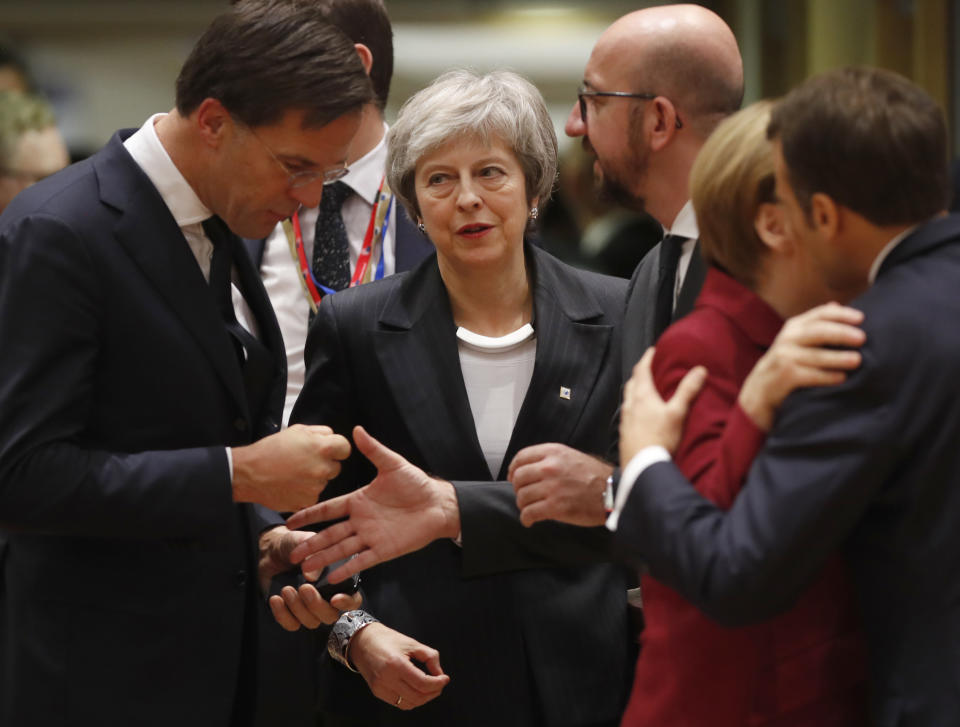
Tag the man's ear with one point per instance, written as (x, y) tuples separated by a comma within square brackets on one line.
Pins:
[(825, 214), (213, 121), (771, 226), (366, 57), (663, 124)]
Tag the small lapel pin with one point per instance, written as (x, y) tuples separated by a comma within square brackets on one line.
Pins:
[(564, 392)]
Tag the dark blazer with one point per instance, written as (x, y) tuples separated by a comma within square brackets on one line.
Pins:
[(869, 468), (129, 569), (412, 246), (640, 331), (804, 668), (545, 645)]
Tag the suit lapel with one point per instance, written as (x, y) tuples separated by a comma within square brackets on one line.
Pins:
[(638, 323), (692, 283), (571, 348), (150, 235), (416, 345), (251, 287)]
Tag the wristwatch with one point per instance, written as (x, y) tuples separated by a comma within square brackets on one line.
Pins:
[(608, 493), (347, 626)]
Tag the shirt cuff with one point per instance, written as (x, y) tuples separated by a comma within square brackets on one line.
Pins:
[(635, 467), (230, 463)]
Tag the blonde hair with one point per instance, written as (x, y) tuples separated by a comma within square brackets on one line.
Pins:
[(731, 177)]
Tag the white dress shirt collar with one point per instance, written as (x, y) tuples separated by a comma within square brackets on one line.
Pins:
[(685, 223), (147, 151), (366, 173), (885, 252)]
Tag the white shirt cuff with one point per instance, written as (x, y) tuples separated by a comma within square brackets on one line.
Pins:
[(635, 467), (230, 463)]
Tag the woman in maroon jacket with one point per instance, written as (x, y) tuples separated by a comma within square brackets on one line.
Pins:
[(805, 667)]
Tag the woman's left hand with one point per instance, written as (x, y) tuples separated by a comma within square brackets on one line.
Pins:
[(801, 356), (402, 510)]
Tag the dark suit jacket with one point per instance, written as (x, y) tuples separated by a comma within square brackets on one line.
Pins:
[(639, 328), (802, 668), (412, 246), (544, 645), (869, 467), (129, 569)]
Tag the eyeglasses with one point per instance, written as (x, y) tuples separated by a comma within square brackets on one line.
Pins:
[(583, 93), (308, 176)]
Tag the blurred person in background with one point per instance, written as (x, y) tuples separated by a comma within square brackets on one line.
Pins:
[(14, 73), (31, 147)]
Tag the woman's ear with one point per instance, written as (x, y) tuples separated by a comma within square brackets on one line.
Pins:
[(770, 224)]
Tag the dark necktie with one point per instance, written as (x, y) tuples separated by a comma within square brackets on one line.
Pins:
[(254, 358), (331, 249), (670, 250)]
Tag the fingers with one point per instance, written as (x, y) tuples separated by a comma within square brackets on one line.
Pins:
[(430, 658), (305, 607), (825, 358), (338, 551), (347, 602), (529, 494), (365, 559), (688, 389), (334, 446), (281, 615), (534, 513), (837, 312), (415, 687), (643, 370), (382, 457), (820, 332), (332, 509), (319, 542), (526, 456)]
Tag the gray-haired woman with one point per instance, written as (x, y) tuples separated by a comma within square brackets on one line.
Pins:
[(490, 346)]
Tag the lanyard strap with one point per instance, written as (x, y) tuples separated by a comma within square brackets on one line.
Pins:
[(375, 237)]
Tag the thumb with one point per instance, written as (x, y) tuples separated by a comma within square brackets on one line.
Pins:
[(688, 389), (380, 456)]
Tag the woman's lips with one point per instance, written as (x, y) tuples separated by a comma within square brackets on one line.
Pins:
[(473, 230)]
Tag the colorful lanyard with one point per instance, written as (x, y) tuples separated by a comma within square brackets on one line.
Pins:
[(376, 231)]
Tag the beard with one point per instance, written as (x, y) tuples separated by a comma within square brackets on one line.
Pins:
[(617, 179)]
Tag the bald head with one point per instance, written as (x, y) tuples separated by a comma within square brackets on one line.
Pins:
[(684, 52)]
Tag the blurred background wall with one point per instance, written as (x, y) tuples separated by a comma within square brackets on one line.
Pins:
[(107, 64)]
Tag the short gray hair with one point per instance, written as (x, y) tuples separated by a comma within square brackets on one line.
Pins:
[(466, 105)]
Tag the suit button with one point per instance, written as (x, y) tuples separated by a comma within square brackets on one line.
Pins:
[(241, 578), (240, 424)]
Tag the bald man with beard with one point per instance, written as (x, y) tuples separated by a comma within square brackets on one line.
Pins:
[(657, 83)]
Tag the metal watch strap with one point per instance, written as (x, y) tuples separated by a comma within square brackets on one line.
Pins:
[(346, 627)]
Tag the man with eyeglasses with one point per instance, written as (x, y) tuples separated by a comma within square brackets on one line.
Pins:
[(657, 83), (364, 234), (31, 147), (139, 407)]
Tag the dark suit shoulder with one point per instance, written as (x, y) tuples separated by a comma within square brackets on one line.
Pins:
[(579, 290), (363, 304), (645, 271), (72, 190)]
